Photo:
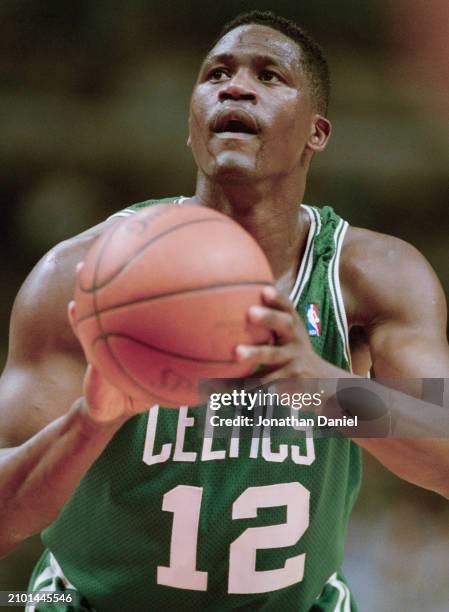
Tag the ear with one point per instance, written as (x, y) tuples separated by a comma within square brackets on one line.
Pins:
[(321, 129)]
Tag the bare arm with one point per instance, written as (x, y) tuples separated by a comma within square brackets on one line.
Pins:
[(406, 329), (41, 391), (38, 477), (392, 293)]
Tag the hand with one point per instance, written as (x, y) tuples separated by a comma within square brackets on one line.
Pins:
[(292, 356), (103, 402)]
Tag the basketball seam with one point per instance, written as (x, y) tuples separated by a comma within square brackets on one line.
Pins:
[(147, 388), (126, 372), (112, 355), (99, 259), (171, 294), (97, 313), (106, 335), (140, 251)]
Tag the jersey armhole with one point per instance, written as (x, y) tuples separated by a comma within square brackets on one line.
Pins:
[(336, 293)]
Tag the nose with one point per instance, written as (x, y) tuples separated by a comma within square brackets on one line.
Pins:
[(238, 88)]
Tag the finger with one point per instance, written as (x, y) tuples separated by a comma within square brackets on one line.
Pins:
[(277, 300), (281, 323), (264, 354), (275, 375)]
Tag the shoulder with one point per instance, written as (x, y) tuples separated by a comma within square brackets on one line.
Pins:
[(385, 277), (39, 317), (45, 364)]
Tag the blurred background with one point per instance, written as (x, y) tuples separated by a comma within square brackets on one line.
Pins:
[(94, 100)]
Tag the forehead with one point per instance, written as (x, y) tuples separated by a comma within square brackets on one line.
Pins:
[(258, 40)]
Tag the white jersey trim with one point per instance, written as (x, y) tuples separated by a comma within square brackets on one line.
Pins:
[(344, 595), (123, 213), (52, 572), (132, 211), (306, 266), (335, 287)]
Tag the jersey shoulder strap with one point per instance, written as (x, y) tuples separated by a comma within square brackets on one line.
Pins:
[(319, 293), (133, 208)]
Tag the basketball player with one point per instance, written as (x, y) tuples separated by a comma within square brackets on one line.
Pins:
[(140, 511)]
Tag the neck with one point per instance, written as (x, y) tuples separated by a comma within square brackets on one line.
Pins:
[(271, 215)]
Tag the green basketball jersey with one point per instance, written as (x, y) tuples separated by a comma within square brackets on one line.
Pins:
[(170, 517)]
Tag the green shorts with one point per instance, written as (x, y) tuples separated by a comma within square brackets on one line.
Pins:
[(48, 576)]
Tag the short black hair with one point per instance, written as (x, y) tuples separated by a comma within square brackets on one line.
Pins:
[(312, 58)]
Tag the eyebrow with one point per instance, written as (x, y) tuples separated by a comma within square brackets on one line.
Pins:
[(230, 58)]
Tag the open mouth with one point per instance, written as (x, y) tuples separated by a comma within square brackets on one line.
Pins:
[(236, 122)]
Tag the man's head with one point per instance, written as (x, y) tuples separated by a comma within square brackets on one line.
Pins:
[(311, 57), (258, 107)]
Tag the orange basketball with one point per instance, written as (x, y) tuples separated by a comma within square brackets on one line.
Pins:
[(162, 301)]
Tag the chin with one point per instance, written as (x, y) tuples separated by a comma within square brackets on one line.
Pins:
[(231, 165)]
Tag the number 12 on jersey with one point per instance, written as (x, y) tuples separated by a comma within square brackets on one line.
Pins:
[(185, 503)]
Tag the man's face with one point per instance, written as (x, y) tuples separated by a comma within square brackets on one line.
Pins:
[(251, 113)]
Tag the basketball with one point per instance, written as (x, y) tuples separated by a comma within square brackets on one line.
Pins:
[(162, 301)]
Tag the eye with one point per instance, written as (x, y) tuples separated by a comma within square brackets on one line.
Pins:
[(268, 76), (217, 75)]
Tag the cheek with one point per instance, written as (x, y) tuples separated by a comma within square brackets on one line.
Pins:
[(198, 131), (291, 126), (196, 123)]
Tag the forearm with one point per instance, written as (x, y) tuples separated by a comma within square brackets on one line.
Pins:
[(408, 435), (38, 477), (421, 461)]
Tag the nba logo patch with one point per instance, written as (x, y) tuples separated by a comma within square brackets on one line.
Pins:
[(313, 320)]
